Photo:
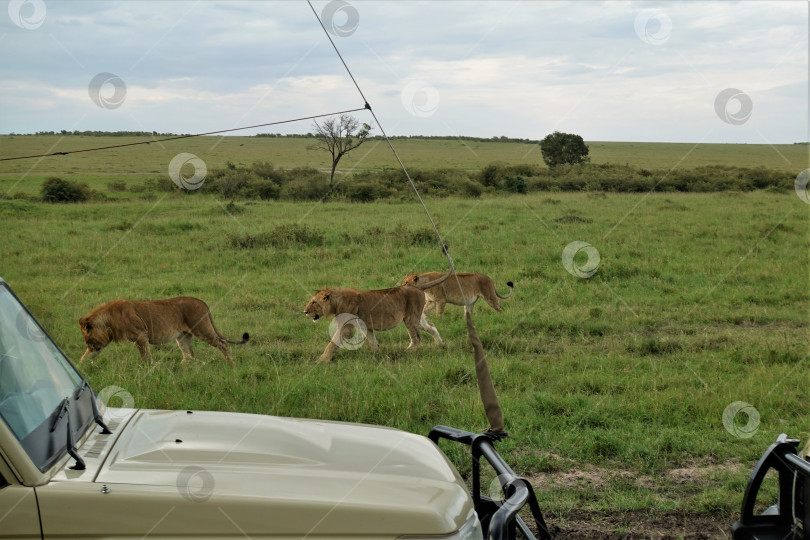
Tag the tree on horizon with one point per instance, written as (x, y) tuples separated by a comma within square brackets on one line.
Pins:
[(339, 136), (563, 148)]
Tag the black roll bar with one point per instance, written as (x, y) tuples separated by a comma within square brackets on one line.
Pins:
[(789, 518), (499, 518)]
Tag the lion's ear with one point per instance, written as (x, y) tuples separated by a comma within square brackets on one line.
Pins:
[(87, 327), (326, 296)]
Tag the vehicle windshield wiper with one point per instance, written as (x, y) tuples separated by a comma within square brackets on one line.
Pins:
[(96, 415), (63, 409)]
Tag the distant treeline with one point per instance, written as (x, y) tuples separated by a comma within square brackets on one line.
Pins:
[(66, 133), (501, 138)]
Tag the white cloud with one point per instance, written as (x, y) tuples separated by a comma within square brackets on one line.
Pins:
[(513, 68)]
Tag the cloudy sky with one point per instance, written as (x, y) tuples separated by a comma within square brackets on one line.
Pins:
[(691, 71)]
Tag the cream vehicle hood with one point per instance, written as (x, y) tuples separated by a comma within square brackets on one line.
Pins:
[(187, 474)]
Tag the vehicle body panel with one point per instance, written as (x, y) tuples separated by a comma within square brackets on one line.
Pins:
[(194, 474), (293, 476), (21, 519)]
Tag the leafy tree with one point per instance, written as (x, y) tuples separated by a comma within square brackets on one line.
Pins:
[(563, 148), (339, 136)]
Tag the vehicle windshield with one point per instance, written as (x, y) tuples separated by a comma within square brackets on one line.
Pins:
[(35, 376)]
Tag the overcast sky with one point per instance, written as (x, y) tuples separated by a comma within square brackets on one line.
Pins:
[(610, 71)]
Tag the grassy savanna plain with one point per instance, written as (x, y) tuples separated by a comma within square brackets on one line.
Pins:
[(135, 164), (613, 387)]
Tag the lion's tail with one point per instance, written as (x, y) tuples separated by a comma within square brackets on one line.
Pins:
[(511, 290), (435, 282), (245, 338)]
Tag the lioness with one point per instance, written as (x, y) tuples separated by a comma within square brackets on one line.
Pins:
[(473, 287), (155, 321), (378, 310)]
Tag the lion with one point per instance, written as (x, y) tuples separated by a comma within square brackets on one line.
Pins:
[(473, 287), (377, 310), (155, 322)]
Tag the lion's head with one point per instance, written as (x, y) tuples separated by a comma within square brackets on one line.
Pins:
[(411, 279), (95, 331), (320, 305), (426, 280)]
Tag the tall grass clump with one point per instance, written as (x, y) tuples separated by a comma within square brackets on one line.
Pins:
[(281, 236)]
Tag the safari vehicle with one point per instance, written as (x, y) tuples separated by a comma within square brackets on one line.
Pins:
[(789, 518), (72, 468)]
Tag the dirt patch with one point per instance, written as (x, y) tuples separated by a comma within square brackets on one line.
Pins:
[(693, 478), (639, 526), (697, 474), (592, 477)]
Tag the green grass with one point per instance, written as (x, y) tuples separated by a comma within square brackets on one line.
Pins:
[(700, 300)]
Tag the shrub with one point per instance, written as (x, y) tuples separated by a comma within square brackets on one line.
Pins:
[(232, 182), (364, 192), (445, 182), (262, 189), (56, 190), (471, 189), (306, 188), (265, 169), (491, 175), (516, 184)]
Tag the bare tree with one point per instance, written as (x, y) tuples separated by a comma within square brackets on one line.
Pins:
[(339, 136)]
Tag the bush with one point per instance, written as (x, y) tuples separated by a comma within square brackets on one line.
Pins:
[(444, 183), (503, 176), (265, 169), (259, 181), (56, 190), (307, 188), (262, 189), (471, 189), (232, 182), (491, 175), (364, 192), (516, 184)]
